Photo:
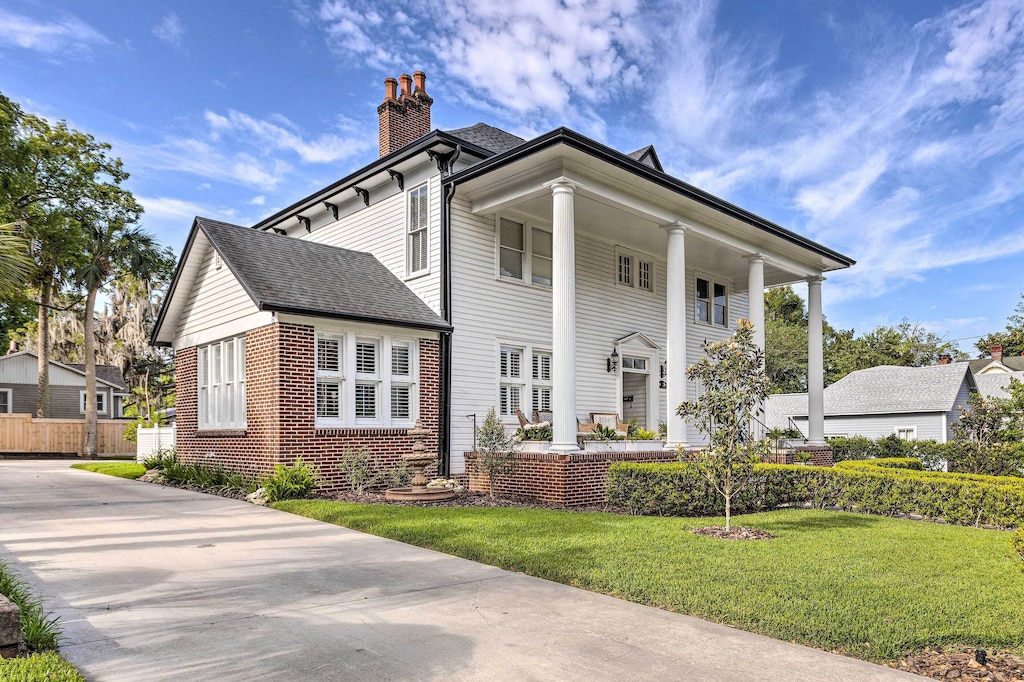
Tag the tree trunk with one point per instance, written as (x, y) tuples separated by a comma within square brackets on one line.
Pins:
[(728, 513), (43, 348), (89, 447)]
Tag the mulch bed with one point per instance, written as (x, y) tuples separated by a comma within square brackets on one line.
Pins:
[(465, 498), (736, 533), (960, 664)]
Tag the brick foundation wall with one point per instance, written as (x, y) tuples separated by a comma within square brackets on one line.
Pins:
[(563, 479), (821, 455), (280, 411)]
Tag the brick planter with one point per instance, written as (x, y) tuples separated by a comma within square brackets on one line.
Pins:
[(564, 479), (821, 455)]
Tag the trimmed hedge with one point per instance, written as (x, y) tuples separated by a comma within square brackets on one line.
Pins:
[(884, 462), (1018, 544), (875, 488), (999, 459)]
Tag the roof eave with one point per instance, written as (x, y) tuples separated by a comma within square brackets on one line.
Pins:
[(582, 143), (440, 326)]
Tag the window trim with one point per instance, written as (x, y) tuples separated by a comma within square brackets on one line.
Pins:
[(99, 394), (410, 273), (238, 386), (913, 430), (526, 382), (10, 400), (635, 259), (527, 253), (712, 281)]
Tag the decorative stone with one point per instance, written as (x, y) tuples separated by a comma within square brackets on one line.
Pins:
[(418, 460), (153, 476), (258, 496), (10, 628)]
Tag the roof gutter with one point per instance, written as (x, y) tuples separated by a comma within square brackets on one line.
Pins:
[(405, 324), (572, 139)]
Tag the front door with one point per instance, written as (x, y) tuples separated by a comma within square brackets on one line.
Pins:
[(634, 396)]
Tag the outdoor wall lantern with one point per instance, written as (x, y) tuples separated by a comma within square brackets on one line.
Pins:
[(613, 361)]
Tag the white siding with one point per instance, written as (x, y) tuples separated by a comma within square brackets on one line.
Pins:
[(217, 306), (380, 229), (929, 425), (24, 369), (487, 311)]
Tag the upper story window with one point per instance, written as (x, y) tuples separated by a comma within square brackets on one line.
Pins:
[(365, 381), (712, 302), (221, 384), (418, 245), (524, 252), (634, 270)]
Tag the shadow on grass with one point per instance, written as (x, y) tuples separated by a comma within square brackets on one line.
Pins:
[(803, 521)]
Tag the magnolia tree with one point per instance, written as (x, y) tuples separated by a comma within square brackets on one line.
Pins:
[(495, 450), (735, 386)]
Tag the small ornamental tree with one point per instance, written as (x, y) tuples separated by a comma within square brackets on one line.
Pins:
[(735, 386), (495, 450)]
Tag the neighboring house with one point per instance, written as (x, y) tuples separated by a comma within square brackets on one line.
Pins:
[(995, 384), (997, 363), (914, 403), (19, 392), (464, 270)]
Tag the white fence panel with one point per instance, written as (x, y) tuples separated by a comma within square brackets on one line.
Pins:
[(151, 440)]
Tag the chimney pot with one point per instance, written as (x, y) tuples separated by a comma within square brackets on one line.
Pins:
[(420, 79), (406, 81), (390, 89), (404, 116), (996, 352), (945, 359)]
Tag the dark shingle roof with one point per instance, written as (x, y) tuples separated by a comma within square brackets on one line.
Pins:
[(298, 276), (108, 373), (490, 138), (1014, 363), (647, 156)]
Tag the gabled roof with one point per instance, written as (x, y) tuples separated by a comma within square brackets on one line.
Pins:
[(488, 137), (641, 338), (105, 374), (883, 390), (1013, 363), (995, 385), (647, 156), (290, 275)]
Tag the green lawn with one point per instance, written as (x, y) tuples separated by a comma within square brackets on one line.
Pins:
[(119, 469), (872, 587)]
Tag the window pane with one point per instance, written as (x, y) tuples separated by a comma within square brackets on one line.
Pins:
[(510, 362), (720, 305), (422, 205), (400, 360), (703, 289), (5, 404), (541, 243), (366, 357), (510, 263), (720, 315), (542, 399), (328, 400), (229, 361), (328, 355), (241, 358), (643, 275), (101, 405), (511, 234), (418, 251), (542, 367), (401, 401), (541, 271), (509, 399), (204, 364), (703, 311), (625, 270), (215, 367), (366, 401)]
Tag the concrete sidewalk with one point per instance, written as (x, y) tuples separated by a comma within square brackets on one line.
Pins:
[(155, 583)]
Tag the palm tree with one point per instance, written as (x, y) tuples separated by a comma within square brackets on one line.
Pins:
[(15, 262), (113, 249)]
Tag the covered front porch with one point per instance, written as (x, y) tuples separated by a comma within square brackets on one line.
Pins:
[(689, 265)]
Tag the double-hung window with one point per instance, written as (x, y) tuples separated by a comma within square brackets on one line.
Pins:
[(367, 399), (221, 383), (101, 402), (418, 244), (712, 302), (524, 253), (6, 400), (330, 376), (541, 376), (634, 270), (401, 381), (510, 380)]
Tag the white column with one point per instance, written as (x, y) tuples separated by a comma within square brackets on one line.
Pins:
[(675, 329), (563, 317), (815, 365), (755, 292)]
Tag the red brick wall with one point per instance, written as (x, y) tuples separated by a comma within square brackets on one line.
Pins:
[(821, 455), (403, 121), (563, 479), (280, 410)]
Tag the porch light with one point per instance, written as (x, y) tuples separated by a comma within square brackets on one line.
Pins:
[(613, 361)]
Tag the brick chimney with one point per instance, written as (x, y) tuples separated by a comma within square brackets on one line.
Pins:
[(945, 359), (996, 352), (405, 115)]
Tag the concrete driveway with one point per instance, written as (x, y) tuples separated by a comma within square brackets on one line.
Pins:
[(155, 583)]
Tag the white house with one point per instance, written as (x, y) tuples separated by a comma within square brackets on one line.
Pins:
[(562, 276)]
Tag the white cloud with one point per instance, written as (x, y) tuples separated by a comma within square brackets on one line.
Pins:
[(281, 135), (65, 34), (169, 208), (258, 200), (170, 30)]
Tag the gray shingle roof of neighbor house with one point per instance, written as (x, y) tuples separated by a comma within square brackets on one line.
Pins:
[(107, 373), (1014, 363), (488, 137), (299, 276), (880, 390), (994, 385)]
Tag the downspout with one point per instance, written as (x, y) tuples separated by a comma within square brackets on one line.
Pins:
[(445, 350)]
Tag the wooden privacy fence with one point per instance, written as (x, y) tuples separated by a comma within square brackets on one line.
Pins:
[(24, 434)]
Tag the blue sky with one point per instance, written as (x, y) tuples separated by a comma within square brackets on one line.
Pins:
[(890, 131)]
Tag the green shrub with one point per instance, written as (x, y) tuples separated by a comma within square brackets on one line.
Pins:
[(39, 628), (209, 476), (290, 482), (886, 463), (1018, 544), (968, 457), (359, 470), (994, 459), (535, 433), (46, 666), (676, 490), (160, 458)]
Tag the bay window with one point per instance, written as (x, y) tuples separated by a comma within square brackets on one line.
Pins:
[(221, 384)]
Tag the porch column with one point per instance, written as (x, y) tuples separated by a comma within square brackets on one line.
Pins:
[(563, 317), (675, 328), (815, 365), (755, 293)]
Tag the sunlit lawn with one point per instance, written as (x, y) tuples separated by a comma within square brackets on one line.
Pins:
[(119, 469), (870, 586)]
